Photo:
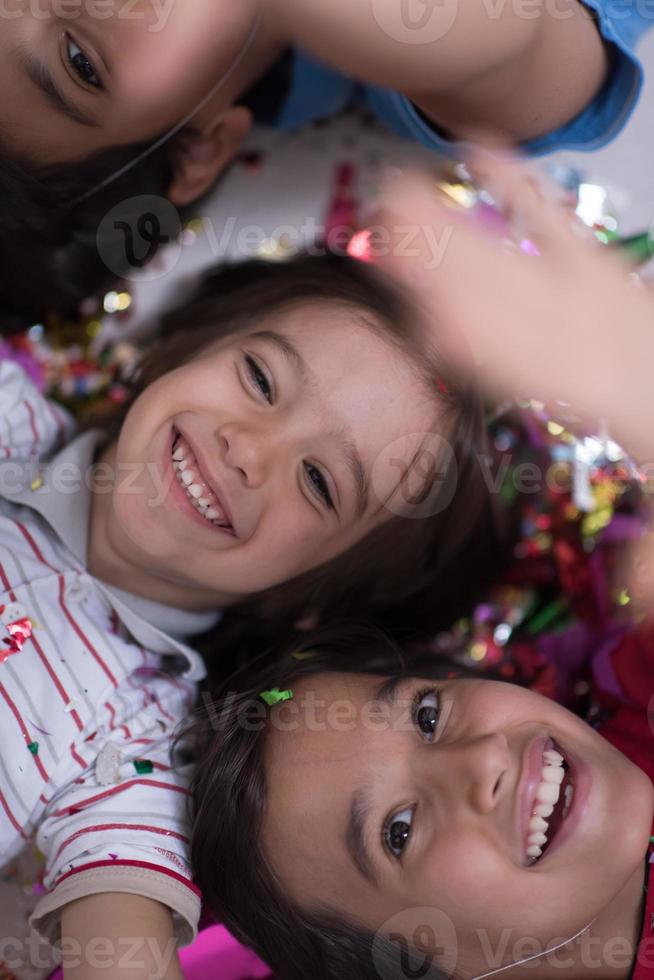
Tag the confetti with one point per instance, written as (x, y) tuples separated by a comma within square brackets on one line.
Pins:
[(18, 625), (143, 766), (33, 747), (274, 696), (107, 765)]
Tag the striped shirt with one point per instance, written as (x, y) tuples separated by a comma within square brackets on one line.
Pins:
[(94, 683)]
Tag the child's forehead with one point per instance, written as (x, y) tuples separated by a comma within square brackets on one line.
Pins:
[(332, 311), (397, 688), (390, 686)]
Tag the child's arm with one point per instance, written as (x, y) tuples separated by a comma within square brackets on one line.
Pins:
[(462, 62), (570, 324), (118, 937)]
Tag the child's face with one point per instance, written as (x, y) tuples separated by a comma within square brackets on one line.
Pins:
[(281, 429), (81, 75), (370, 814)]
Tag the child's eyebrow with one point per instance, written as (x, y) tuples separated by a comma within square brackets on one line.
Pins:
[(286, 347), (360, 805), (355, 835), (352, 458), (41, 77)]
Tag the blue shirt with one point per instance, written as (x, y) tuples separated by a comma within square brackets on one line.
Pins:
[(313, 91)]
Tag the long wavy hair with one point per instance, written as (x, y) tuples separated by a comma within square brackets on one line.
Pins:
[(56, 249)]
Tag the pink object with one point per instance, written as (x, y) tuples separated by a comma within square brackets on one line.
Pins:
[(215, 953), (342, 214), (360, 246)]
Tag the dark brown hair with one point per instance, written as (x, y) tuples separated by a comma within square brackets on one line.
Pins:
[(437, 563), (229, 799), (56, 248)]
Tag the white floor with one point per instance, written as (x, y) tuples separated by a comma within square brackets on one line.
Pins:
[(287, 193)]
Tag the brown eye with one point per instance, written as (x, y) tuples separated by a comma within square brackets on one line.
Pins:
[(259, 379), (319, 484), (398, 831), (425, 712), (81, 64)]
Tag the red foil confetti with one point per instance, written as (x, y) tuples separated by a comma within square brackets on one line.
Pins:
[(20, 630)]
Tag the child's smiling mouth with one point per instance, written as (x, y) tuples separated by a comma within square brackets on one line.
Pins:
[(191, 479), (547, 793)]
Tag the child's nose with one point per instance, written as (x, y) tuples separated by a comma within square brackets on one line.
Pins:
[(248, 451), (478, 770)]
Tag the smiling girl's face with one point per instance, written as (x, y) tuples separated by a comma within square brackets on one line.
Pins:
[(423, 794), (259, 459)]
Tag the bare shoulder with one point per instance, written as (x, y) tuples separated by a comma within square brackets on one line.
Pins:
[(551, 63)]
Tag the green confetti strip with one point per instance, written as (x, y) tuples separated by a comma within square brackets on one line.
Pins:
[(34, 748), (274, 696), (143, 766)]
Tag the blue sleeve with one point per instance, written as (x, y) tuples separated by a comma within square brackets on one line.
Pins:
[(621, 23), (315, 92)]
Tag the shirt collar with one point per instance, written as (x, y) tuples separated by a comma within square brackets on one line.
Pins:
[(59, 492)]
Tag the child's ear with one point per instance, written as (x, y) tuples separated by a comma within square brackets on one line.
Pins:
[(202, 156)]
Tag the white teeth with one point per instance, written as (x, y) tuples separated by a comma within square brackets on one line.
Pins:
[(552, 774), (548, 793), (567, 798), (197, 491)]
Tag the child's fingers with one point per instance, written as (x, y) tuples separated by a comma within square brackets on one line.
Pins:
[(458, 267), (529, 201)]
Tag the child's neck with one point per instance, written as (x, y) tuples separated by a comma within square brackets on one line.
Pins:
[(605, 951)]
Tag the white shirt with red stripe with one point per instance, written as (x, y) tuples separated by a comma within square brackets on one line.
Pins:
[(94, 683)]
